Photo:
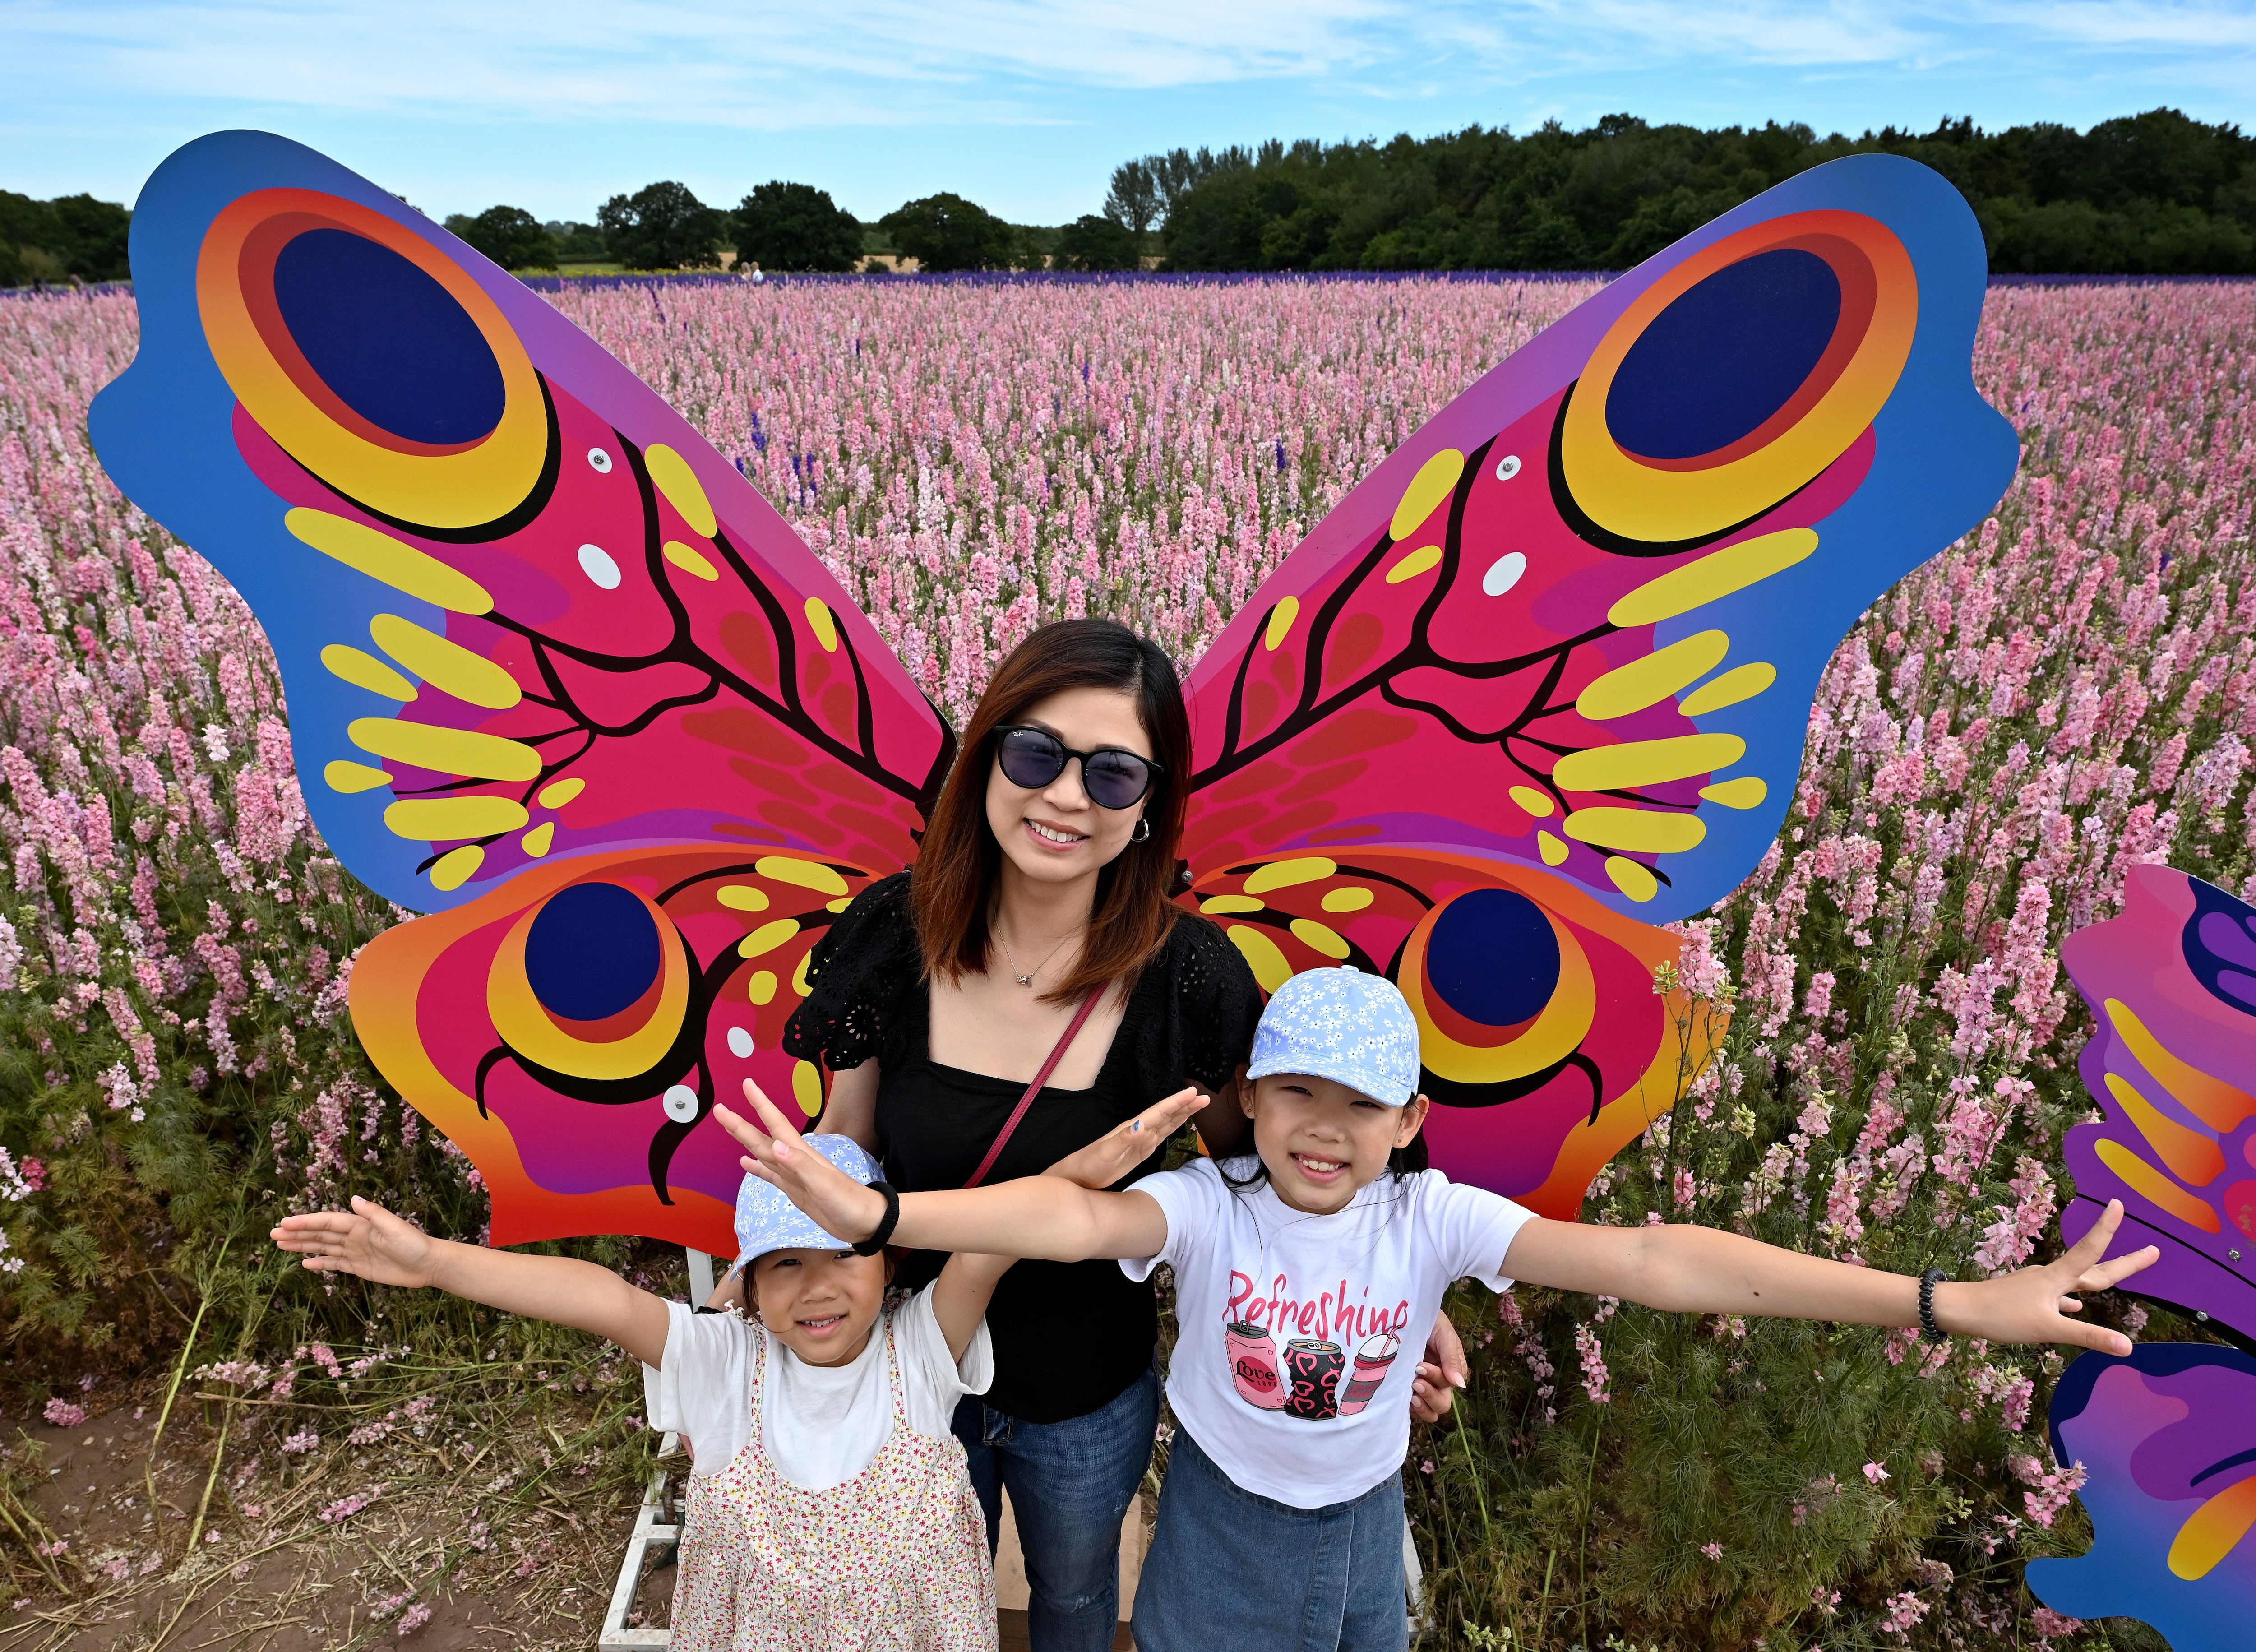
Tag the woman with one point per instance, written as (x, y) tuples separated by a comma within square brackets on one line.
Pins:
[(1041, 895)]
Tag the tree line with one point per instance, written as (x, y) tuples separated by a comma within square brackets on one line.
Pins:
[(2150, 194)]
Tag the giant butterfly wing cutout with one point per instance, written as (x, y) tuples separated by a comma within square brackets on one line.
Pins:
[(548, 658), (1570, 633)]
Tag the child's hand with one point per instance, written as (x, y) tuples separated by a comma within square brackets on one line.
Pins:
[(2030, 1303), (1123, 1147), (371, 1242), (842, 1206)]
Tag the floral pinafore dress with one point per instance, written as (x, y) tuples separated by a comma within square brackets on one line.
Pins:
[(893, 1560)]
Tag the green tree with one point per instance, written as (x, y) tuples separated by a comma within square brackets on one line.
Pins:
[(946, 232), (1133, 200), (581, 242), (784, 226), (510, 236), (663, 227), (1091, 243)]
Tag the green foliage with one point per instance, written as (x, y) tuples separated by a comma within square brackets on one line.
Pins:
[(510, 236), (2155, 192), (784, 226), (663, 227), (577, 243), (946, 232), (1133, 200), (1091, 243), (71, 237)]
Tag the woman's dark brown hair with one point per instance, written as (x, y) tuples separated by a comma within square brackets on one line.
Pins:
[(953, 886)]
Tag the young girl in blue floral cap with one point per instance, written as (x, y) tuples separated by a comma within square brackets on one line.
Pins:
[(1298, 1273)]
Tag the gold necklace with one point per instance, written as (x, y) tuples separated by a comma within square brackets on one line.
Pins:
[(1027, 979)]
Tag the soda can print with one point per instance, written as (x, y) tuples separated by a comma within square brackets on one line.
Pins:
[(1313, 1370), (1372, 1361), (1254, 1367)]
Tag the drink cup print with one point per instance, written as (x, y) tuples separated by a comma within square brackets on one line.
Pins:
[(1254, 1367), (1313, 1369), (1372, 1361)]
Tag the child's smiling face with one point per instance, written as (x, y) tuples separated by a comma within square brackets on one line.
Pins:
[(819, 1304), (1320, 1141)]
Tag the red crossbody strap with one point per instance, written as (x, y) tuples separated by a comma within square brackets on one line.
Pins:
[(1049, 1066)]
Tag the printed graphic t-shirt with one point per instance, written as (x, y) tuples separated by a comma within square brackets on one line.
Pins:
[(824, 1423), (1299, 1335)]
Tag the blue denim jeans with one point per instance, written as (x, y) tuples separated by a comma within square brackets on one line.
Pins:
[(1229, 1568), (1070, 1485)]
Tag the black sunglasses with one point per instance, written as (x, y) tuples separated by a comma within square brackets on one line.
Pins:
[(1033, 758)]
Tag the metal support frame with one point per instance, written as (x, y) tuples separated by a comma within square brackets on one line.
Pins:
[(651, 1530)]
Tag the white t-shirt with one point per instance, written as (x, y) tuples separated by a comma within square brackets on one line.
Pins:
[(1299, 1335), (824, 1423)]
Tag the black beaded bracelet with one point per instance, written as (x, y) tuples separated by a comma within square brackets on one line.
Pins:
[(1928, 1282), (877, 1241)]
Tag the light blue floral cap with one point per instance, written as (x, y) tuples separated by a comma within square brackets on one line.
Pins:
[(1353, 1028), (767, 1221)]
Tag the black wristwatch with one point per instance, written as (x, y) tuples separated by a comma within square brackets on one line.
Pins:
[(877, 1241), (1928, 1282)]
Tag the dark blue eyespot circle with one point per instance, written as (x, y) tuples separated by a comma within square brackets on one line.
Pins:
[(1724, 355), (591, 952), (391, 341), (1493, 957), (2220, 935)]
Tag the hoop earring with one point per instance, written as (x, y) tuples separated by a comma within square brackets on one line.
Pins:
[(1143, 832)]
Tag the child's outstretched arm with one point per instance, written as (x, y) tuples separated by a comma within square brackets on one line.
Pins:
[(373, 1243), (1048, 1217), (1701, 1270)]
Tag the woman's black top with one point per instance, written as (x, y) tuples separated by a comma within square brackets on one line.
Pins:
[(1069, 1337)]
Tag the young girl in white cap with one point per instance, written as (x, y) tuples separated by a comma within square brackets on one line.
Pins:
[(1297, 1275), (828, 1501)]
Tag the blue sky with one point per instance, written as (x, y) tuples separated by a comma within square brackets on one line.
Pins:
[(1024, 108)]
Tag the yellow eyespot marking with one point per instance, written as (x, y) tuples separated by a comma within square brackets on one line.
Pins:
[(1612, 768), (1551, 849), (2212, 1531), (824, 624), (839, 904), (445, 665), (394, 561), (556, 793), (1318, 938), (1283, 874), (1415, 564), (1262, 955), (1743, 683), (364, 670), (742, 897), (1229, 903), (1645, 830), (807, 874), (464, 751), (806, 1087), (1717, 575), (1428, 489), (761, 988), (679, 485), (690, 561), (1632, 878), (1746, 791), (1648, 681), (2211, 1100), (434, 820), (799, 976), (1351, 898), (2155, 1188), (453, 868), (536, 842), (2193, 1158), (1536, 803), (1280, 622), (767, 937), (354, 777)]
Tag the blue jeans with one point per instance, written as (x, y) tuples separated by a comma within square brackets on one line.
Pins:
[(1229, 1568), (1070, 1483)]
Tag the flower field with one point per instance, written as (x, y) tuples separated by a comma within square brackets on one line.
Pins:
[(2070, 690)]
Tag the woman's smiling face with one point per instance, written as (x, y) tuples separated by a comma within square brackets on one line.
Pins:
[(819, 1304), (1055, 834)]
